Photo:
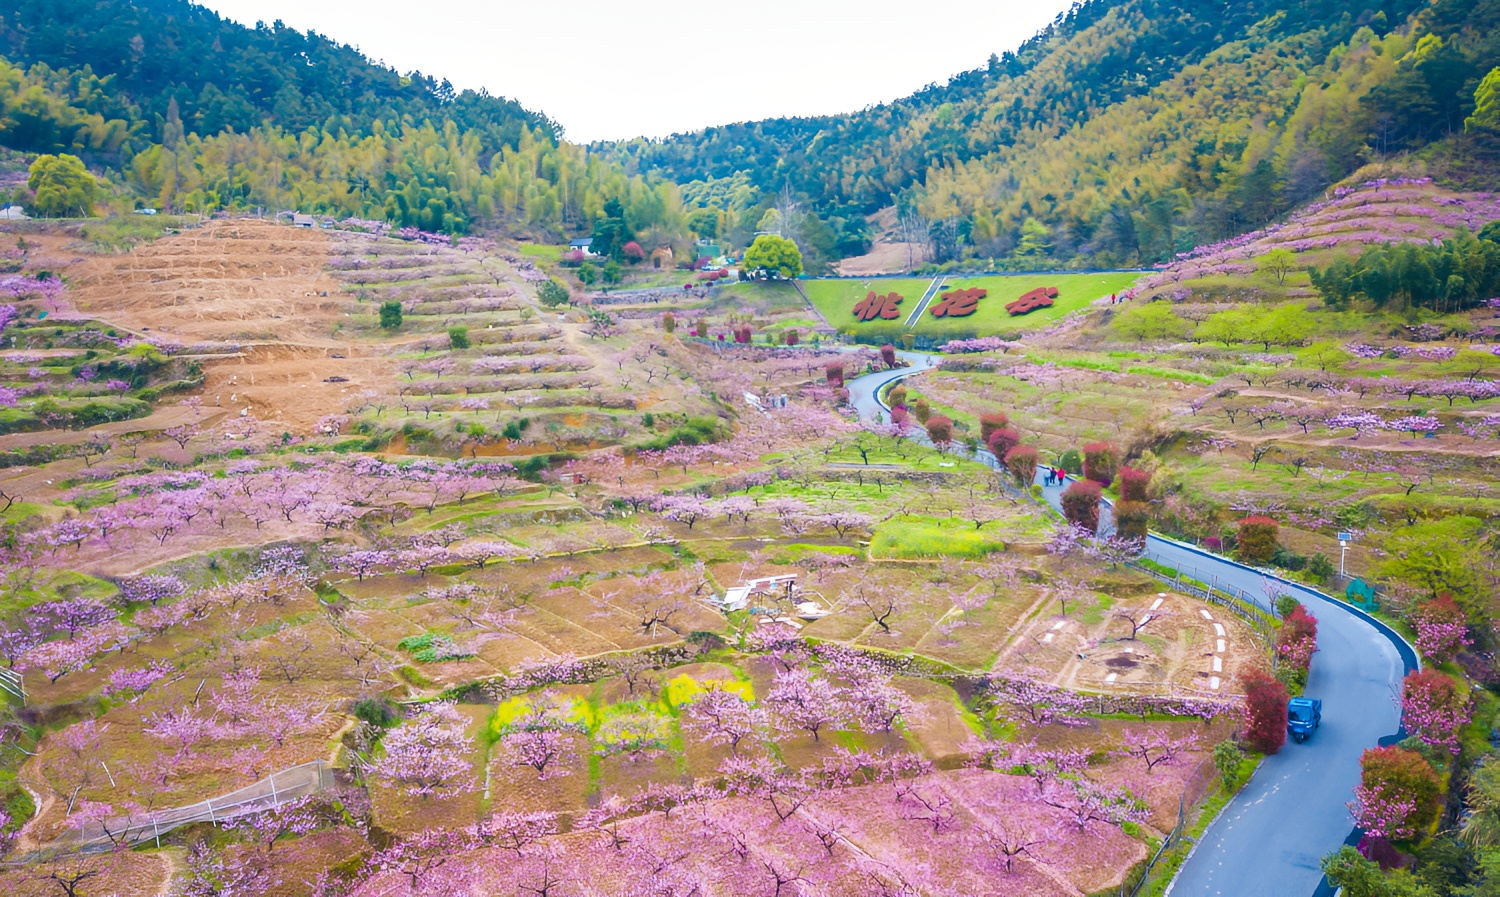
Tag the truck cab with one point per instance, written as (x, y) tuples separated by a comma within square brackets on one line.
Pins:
[(1303, 715)]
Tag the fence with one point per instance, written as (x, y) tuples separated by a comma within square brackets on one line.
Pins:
[(1235, 601), (280, 787), (12, 684), (1200, 781)]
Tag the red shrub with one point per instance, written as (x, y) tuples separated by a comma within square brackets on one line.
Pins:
[(1265, 711), (989, 423), (834, 373), (939, 429), (1390, 774), (1041, 297), (1100, 462), (959, 303), (633, 252), (1134, 484), (1080, 504), (888, 355), (1021, 462), (875, 306), (1298, 639), (1002, 441)]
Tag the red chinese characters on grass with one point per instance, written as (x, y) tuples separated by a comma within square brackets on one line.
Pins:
[(877, 306), (959, 303), (1041, 297)]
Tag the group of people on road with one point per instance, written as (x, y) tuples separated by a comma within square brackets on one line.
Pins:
[(1054, 476)]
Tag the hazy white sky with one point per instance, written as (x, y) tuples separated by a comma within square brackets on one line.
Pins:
[(608, 70)]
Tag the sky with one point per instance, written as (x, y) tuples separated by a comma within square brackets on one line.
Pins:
[(610, 70)]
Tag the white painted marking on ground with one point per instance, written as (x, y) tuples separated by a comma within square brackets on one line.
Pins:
[(1218, 664), (1219, 629), (1205, 614), (1047, 637), (1059, 624), (1221, 645), (1111, 677), (1146, 619), (1213, 682), (1157, 603)]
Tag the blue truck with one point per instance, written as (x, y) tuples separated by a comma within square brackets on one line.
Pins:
[(1303, 716)]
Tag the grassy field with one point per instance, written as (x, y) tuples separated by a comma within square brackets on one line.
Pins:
[(836, 299)]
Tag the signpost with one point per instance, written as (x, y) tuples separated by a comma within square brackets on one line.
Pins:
[(1344, 540)]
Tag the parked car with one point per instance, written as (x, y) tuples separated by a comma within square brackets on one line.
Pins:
[(1303, 715)]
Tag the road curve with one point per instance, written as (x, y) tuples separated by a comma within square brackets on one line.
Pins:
[(1271, 838)]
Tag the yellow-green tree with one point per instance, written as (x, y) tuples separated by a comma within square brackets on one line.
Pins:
[(1486, 104), (62, 187), (772, 256), (1152, 321)]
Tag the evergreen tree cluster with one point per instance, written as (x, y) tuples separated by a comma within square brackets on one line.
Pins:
[(1460, 274), (189, 112)]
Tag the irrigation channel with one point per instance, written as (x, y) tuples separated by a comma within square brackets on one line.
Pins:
[(1271, 838)]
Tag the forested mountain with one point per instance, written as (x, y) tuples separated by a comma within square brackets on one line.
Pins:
[(187, 111), (225, 76), (1128, 130)]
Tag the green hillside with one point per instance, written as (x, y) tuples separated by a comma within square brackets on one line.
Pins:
[(1130, 131), (836, 299)]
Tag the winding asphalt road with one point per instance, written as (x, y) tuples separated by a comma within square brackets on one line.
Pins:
[(1271, 838)]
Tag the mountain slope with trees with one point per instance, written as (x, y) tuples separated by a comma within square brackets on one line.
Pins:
[(185, 111), (1129, 131)]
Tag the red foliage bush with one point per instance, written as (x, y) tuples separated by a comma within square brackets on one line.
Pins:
[(1265, 711), (1257, 539), (1080, 504), (1397, 773), (1002, 441), (1298, 639), (959, 303), (1100, 462), (939, 429), (1134, 484), (989, 423), (1021, 462), (888, 355), (899, 415), (834, 373), (875, 306), (633, 251), (1041, 297), (792, 338)]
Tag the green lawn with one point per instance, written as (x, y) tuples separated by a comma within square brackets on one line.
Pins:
[(836, 299), (543, 251)]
